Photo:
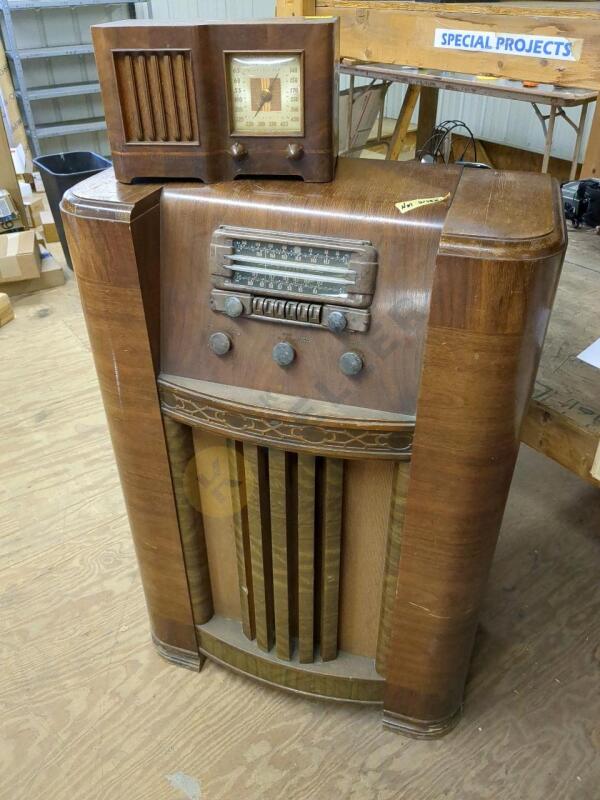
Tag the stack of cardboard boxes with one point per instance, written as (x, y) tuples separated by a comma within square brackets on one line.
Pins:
[(26, 263)]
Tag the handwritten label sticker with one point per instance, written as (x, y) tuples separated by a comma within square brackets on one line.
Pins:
[(557, 48), (409, 205)]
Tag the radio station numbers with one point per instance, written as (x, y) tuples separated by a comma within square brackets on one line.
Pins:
[(265, 91), (291, 269)]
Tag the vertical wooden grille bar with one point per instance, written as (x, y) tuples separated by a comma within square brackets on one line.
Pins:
[(242, 536), (392, 559), (156, 91), (306, 557), (280, 535), (259, 525), (180, 448), (331, 530)]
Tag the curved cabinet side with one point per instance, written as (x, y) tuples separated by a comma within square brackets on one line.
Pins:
[(486, 327), (115, 249)]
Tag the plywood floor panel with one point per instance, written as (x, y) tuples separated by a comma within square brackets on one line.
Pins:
[(88, 711)]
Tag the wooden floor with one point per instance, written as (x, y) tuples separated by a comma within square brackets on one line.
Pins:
[(88, 711)]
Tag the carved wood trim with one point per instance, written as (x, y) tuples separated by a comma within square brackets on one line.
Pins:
[(342, 438)]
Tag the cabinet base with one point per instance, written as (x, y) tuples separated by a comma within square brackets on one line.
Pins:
[(178, 656), (420, 729)]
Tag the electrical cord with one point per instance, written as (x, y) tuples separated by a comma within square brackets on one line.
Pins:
[(434, 144)]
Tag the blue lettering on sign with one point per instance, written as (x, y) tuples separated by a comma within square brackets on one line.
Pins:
[(518, 44)]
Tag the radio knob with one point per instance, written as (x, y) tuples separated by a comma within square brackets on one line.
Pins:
[(350, 363), (233, 307), (238, 151), (219, 343), (336, 321), (283, 354), (295, 151)]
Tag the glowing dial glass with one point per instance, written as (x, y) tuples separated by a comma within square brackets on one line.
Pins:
[(266, 94)]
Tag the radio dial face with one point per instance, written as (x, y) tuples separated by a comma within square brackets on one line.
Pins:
[(266, 94), (295, 278), (294, 269)]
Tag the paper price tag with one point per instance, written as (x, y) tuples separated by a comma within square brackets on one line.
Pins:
[(409, 205)]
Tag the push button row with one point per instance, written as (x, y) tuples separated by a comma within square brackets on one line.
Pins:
[(287, 309)]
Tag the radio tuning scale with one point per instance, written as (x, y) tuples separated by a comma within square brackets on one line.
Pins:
[(266, 94)]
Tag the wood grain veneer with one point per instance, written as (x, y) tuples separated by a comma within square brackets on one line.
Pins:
[(165, 94), (122, 316), (462, 300)]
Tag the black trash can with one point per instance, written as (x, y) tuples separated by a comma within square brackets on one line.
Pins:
[(61, 171)]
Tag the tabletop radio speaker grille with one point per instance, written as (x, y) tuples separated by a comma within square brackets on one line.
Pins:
[(157, 96)]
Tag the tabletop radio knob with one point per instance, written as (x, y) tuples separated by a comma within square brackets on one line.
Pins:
[(283, 354), (233, 307), (350, 363), (295, 151), (238, 151), (219, 343), (336, 321)]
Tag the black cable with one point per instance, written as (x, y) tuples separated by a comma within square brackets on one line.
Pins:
[(433, 145)]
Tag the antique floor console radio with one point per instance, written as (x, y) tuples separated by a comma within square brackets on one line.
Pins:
[(314, 389)]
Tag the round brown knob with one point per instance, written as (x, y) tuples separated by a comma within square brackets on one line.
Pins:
[(295, 151), (238, 151)]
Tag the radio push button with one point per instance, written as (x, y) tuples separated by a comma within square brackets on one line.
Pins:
[(302, 312), (283, 354)]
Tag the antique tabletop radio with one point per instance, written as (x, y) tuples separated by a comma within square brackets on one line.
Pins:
[(213, 100), (314, 391)]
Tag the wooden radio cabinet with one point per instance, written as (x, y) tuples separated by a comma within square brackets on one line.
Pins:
[(314, 394)]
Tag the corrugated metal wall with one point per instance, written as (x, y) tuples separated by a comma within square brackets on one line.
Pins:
[(507, 122), (52, 28)]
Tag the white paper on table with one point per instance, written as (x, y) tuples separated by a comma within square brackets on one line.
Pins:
[(591, 354)]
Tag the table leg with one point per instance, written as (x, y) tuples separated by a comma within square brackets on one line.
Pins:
[(577, 148), (403, 121), (428, 104), (349, 113), (591, 163), (549, 137)]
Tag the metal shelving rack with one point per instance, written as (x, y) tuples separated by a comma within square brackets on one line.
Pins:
[(27, 95)]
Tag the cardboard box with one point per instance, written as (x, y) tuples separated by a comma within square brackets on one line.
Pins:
[(49, 226), (34, 206), (51, 274), (6, 309), (19, 257), (38, 182), (19, 159)]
